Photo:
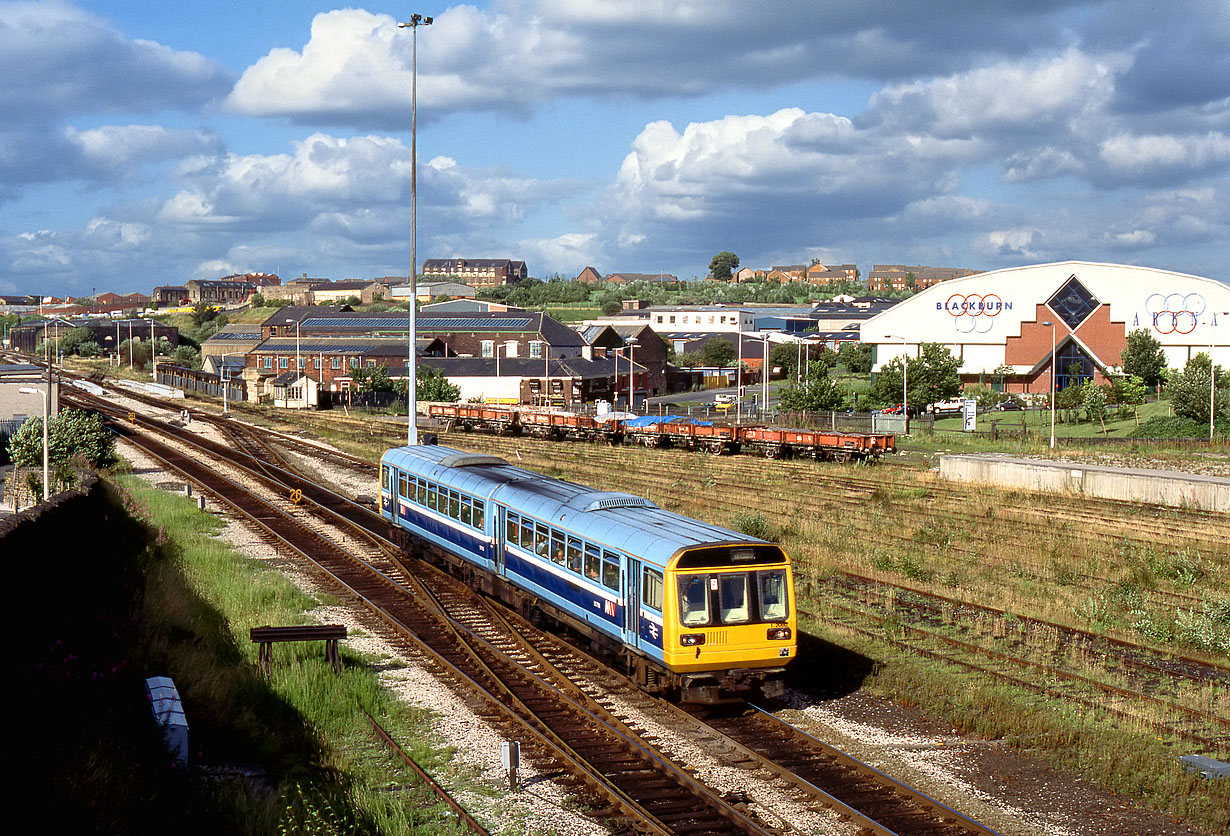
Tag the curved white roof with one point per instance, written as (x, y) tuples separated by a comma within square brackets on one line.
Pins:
[(988, 307)]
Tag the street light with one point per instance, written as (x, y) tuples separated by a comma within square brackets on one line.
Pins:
[(498, 348), (764, 376), (905, 380), (632, 341), (1213, 371), (412, 428), (1049, 324), (46, 434)]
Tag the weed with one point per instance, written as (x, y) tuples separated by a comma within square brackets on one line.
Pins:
[(753, 524)]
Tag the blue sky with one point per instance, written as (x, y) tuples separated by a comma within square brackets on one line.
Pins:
[(148, 143)]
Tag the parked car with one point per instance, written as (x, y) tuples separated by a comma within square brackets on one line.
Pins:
[(948, 407), (1007, 406)]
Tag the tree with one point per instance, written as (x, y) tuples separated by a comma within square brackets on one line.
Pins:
[(855, 357), (76, 342), (72, 433), (1143, 356), (189, 357), (717, 352), (1130, 390), (812, 395), (723, 265), (1189, 390), (431, 385), (372, 379), (139, 352), (1093, 399), (203, 312), (932, 377)]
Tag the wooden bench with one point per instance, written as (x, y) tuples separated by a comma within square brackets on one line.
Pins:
[(330, 634)]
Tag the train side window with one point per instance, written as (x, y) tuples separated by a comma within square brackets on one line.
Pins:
[(454, 505), (651, 590), (403, 484), (771, 587), (512, 529), (386, 477), (476, 519), (542, 539), (420, 489), (557, 546), (574, 554), (466, 509), (593, 562), (610, 570), (431, 496), (694, 600), (527, 534), (732, 598)]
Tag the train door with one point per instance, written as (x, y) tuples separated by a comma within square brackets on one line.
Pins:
[(499, 522), (632, 602)]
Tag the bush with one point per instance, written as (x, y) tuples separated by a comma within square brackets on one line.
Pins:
[(1176, 427), (72, 433)]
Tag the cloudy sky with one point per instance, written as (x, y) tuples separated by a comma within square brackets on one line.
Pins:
[(148, 142)]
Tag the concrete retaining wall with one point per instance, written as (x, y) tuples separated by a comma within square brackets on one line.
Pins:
[(1158, 487)]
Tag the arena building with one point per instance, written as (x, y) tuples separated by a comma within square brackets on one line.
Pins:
[(996, 322)]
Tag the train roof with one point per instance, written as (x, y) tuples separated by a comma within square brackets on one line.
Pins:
[(619, 520)]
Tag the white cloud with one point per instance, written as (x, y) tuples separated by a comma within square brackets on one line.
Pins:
[(1142, 154), (119, 146), (1023, 243), (571, 252), (1041, 163), (56, 58), (1024, 95), (355, 67), (117, 235)]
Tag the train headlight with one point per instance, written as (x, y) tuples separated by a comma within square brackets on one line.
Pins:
[(691, 639), (779, 633)]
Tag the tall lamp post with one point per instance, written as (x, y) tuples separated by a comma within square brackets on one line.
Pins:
[(412, 406), (498, 348), (764, 378), (905, 380), (1213, 371), (632, 341), (1051, 325)]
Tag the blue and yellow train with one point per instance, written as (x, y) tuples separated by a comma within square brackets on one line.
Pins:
[(683, 607)]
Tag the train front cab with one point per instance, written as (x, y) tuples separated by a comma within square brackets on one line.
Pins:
[(729, 625)]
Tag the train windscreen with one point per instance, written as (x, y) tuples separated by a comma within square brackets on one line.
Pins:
[(728, 598)]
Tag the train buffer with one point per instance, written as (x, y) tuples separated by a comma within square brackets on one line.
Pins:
[(330, 634)]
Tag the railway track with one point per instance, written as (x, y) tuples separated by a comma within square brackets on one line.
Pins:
[(1207, 731), (624, 775), (644, 786)]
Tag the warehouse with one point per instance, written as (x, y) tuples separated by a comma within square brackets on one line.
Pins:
[(1004, 325)]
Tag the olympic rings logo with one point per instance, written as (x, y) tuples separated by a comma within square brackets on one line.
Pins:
[(974, 312), (1175, 313)]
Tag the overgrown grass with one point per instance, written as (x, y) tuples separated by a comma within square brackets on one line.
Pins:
[(301, 722), (1135, 764)]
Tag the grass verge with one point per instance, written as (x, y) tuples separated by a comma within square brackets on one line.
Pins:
[(288, 752)]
